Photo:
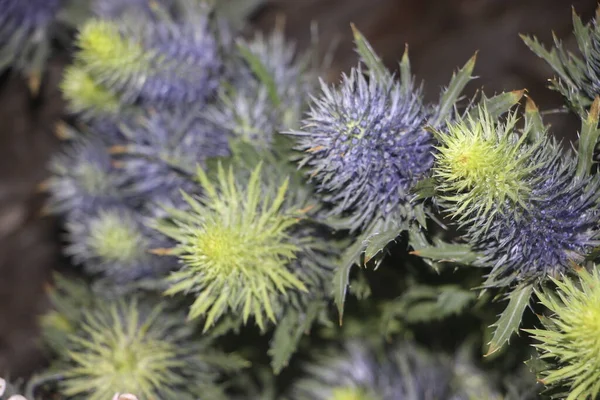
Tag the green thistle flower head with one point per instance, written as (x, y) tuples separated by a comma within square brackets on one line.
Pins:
[(234, 248), (84, 95), (115, 238), (571, 336), (480, 165), (103, 47)]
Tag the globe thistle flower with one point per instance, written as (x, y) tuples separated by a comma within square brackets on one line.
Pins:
[(361, 372), (84, 178), (132, 346), (578, 78), (162, 150), (570, 338), (366, 146), (272, 62), (525, 209), (234, 249), (24, 32), (115, 243), (247, 116), (151, 62)]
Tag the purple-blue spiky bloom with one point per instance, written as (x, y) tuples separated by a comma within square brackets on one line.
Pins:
[(119, 8), (158, 61), (365, 145), (84, 178), (23, 30), (115, 243), (557, 228), (401, 372), (163, 151)]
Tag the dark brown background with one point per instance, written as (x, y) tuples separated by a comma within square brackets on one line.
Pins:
[(442, 34)]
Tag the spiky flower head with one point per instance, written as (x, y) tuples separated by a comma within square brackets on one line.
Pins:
[(361, 372), (85, 96), (24, 32), (578, 78), (234, 248), (119, 8), (115, 243), (247, 116), (162, 150), (84, 178), (366, 146), (151, 61), (570, 338), (131, 346), (274, 63), (523, 205)]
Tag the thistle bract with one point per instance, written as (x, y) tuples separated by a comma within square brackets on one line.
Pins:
[(570, 339), (578, 78), (234, 249), (525, 209), (366, 147)]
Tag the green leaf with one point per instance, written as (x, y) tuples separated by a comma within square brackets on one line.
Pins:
[(502, 103), (368, 56), (341, 277), (377, 242), (588, 138), (261, 72), (448, 252), (534, 119), (425, 304), (289, 331), (510, 320), (452, 93)]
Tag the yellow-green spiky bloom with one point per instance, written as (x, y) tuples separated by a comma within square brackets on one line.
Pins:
[(84, 95), (130, 345), (234, 248), (481, 164), (571, 336)]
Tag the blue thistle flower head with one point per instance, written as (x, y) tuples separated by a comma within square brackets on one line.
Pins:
[(247, 116), (163, 149), (119, 8), (115, 244), (84, 178), (525, 208), (361, 372), (24, 31), (131, 345), (366, 147), (152, 61)]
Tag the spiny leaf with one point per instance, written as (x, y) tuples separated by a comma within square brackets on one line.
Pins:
[(502, 103), (511, 317), (588, 139), (289, 332), (450, 252), (455, 88), (341, 276), (374, 64), (534, 119)]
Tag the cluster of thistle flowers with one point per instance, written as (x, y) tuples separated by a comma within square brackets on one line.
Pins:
[(173, 182), (527, 210)]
